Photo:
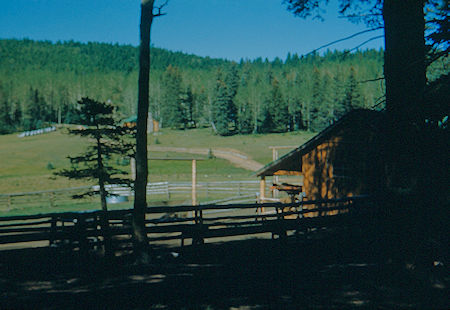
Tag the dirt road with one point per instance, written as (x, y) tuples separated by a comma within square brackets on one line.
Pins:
[(235, 157)]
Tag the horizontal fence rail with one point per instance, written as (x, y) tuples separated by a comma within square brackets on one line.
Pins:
[(161, 191), (83, 231)]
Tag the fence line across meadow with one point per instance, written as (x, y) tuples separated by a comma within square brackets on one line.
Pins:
[(221, 191)]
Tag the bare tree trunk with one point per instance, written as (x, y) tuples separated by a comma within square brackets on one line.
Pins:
[(140, 184), (103, 193), (404, 70)]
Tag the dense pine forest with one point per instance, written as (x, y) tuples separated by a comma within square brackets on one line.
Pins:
[(41, 81)]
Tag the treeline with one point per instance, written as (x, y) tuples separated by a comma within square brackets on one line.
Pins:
[(40, 82)]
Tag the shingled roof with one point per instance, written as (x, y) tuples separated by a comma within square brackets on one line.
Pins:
[(292, 160)]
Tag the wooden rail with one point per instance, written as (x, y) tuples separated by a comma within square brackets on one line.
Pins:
[(82, 230), (162, 191)]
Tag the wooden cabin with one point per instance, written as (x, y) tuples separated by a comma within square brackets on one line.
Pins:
[(343, 160), (152, 124), (130, 122)]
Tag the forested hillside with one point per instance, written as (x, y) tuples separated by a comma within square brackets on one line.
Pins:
[(40, 83)]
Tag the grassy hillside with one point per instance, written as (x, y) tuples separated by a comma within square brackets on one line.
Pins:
[(26, 162), (255, 146)]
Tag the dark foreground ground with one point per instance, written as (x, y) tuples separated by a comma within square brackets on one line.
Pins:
[(321, 272)]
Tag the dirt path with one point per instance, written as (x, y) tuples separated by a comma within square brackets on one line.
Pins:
[(235, 157)]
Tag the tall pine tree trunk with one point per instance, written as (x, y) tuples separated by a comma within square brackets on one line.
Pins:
[(404, 70), (104, 216), (140, 184)]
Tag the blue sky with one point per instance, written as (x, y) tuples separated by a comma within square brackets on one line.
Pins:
[(231, 29)]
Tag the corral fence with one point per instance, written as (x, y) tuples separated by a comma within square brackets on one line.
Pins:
[(82, 231), (207, 192), (206, 189)]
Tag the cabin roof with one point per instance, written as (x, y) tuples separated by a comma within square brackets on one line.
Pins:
[(131, 119), (292, 160)]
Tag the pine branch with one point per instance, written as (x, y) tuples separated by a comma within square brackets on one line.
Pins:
[(360, 15), (379, 101), (344, 39), (372, 80), (364, 43)]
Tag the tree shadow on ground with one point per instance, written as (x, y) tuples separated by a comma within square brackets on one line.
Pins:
[(328, 269)]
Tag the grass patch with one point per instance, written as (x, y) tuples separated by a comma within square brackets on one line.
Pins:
[(25, 161), (256, 146)]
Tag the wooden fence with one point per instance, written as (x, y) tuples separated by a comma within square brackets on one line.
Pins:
[(159, 191), (83, 230)]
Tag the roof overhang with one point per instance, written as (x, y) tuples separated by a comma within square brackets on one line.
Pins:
[(292, 161)]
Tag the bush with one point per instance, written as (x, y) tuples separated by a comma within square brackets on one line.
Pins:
[(50, 166), (211, 154)]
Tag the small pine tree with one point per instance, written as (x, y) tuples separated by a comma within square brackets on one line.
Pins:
[(108, 139)]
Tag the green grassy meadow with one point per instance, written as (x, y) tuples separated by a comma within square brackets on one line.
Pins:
[(255, 146), (28, 165), (25, 162)]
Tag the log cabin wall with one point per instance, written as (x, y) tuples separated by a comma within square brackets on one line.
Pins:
[(318, 181), (346, 164), (343, 160), (318, 171)]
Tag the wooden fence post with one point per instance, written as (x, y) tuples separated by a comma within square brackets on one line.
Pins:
[(168, 190), (280, 216), (198, 235), (53, 225), (81, 232), (52, 199), (194, 182), (262, 193), (9, 202)]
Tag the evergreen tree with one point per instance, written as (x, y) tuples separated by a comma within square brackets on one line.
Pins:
[(278, 109), (220, 108), (327, 109), (173, 113), (339, 95), (224, 108), (244, 116), (6, 122), (299, 107), (107, 139), (201, 111), (352, 98), (315, 117), (232, 80), (256, 97), (266, 122), (17, 115), (31, 110), (188, 103)]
